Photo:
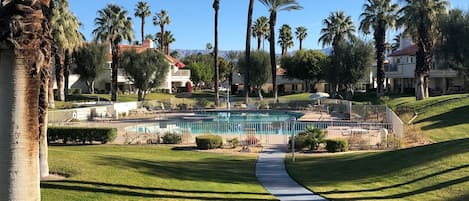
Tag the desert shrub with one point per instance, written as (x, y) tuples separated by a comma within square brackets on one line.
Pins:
[(337, 145), (208, 141), (83, 135), (233, 142), (171, 138), (311, 138)]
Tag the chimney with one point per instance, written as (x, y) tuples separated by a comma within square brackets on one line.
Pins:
[(148, 43), (405, 41)]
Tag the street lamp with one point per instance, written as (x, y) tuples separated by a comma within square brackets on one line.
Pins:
[(292, 128)]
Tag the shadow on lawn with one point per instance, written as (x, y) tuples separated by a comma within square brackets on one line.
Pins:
[(124, 190), (450, 118), (351, 167), (220, 170)]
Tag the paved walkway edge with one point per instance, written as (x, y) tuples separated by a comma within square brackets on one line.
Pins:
[(271, 173)]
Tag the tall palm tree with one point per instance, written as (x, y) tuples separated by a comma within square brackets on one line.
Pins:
[(216, 7), (275, 6), (260, 30), (65, 30), (285, 39), (379, 15), (161, 19), (338, 28), (420, 20), (113, 25), (25, 43), (142, 10), (247, 52), (168, 38), (301, 34)]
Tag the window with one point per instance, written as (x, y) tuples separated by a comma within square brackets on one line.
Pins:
[(398, 60)]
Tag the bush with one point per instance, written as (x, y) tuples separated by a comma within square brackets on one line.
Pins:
[(310, 138), (338, 145), (233, 142), (202, 102), (251, 140), (171, 138), (83, 135), (208, 141)]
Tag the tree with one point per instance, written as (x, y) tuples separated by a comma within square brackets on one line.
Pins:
[(379, 15), (67, 38), (311, 138), (142, 10), (305, 65), (396, 42), (301, 34), (247, 51), (285, 38), (168, 39), (25, 47), (349, 64), (260, 30), (200, 66), (259, 66), (454, 43), (338, 28), (144, 69), (420, 18), (113, 25), (216, 7), (232, 57), (275, 6), (161, 19), (90, 60)]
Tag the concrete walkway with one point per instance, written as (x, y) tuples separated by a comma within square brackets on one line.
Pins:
[(271, 172)]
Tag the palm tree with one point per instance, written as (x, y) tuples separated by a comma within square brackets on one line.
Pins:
[(379, 15), (396, 42), (420, 20), (260, 30), (161, 19), (113, 25), (25, 46), (275, 6), (285, 39), (216, 7), (142, 10), (247, 52), (168, 38), (338, 28), (301, 33), (67, 38)]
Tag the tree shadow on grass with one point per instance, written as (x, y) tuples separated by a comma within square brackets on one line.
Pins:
[(350, 167), (125, 190), (220, 170), (456, 116)]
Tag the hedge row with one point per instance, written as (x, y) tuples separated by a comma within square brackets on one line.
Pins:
[(209, 141), (83, 135), (337, 145)]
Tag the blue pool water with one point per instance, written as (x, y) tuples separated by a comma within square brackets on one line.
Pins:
[(225, 122)]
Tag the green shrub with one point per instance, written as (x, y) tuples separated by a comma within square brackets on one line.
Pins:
[(202, 102), (310, 138), (233, 142), (171, 138), (83, 135), (209, 141), (337, 145)]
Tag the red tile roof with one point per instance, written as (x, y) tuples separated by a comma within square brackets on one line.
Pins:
[(408, 51), (140, 49)]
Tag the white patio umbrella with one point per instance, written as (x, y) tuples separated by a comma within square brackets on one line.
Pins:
[(318, 96)]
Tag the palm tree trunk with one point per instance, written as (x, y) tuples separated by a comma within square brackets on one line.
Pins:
[(301, 44), (215, 54), (272, 21), (43, 114), (248, 51), (50, 95), (67, 63), (59, 74), (162, 38), (142, 31), (380, 39), (114, 66), (259, 41)]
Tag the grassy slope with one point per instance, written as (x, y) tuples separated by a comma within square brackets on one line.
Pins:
[(434, 172), (150, 173)]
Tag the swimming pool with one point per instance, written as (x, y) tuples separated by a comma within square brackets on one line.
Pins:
[(224, 122)]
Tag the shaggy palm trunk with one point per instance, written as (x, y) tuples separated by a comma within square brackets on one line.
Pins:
[(247, 52), (273, 19), (380, 41), (67, 63), (424, 62), (162, 38), (259, 42), (59, 74), (43, 114), (114, 66), (50, 95), (215, 54)]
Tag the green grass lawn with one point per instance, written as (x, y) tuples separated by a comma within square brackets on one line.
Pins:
[(150, 173), (433, 172)]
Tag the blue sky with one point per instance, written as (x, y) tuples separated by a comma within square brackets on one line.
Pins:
[(192, 20)]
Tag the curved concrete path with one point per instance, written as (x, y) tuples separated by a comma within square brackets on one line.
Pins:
[(271, 172)]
